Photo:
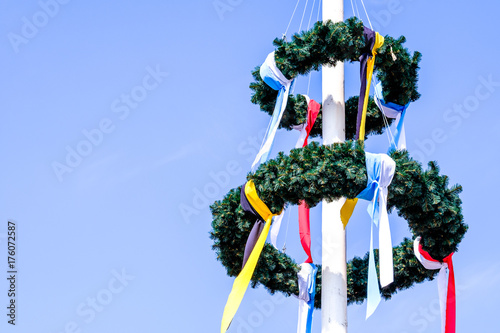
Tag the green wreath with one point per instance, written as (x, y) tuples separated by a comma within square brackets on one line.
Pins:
[(314, 173)]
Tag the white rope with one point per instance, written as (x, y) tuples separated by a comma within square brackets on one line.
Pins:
[(287, 224), (390, 136), (388, 130), (291, 18), (308, 27), (368, 17), (317, 19), (352, 5), (319, 8), (303, 14), (310, 16), (309, 83), (357, 10)]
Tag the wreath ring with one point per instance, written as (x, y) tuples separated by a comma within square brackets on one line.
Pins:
[(315, 173)]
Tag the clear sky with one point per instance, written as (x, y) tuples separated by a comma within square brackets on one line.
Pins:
[(114, 115)]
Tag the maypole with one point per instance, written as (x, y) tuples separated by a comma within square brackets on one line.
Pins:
[(300, 177), (334, 275)]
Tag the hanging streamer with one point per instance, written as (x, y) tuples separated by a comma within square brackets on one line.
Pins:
[(273, 77), (367, 61), (305, 129), (305, 230), (347, 210), (380, 169), (313, 108), (251, 203), (446, 285), (395, 111), (275, 229), (307, 291)]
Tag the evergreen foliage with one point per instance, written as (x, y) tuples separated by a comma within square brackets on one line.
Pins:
[(324, 45), (314, 173)]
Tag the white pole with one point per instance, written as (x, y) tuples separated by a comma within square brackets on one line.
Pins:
[(334, 283)]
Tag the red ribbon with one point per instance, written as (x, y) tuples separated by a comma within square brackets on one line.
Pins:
[(304, 223), (450, 298), (305, 230)]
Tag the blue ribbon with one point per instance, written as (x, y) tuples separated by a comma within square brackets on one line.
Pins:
[(373, 164), (370, 193), (380, 170), (395, 108), (274, 120), (311, 292), (273, 77)]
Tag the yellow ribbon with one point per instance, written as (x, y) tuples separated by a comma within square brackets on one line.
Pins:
[(379, 41), (242, 281), (348, 207), (347, 210)]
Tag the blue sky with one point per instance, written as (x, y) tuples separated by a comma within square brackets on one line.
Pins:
[(154, 95)]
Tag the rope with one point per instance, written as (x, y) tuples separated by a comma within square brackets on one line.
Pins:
[(357, 10), (310, 16), (319, 7), (390, 136), (286, 233), (388, 130), (308, 27), (368, 17), (291, 18), (352, 5), (309, 84), (303, 14)]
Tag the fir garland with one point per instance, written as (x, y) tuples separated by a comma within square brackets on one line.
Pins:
[(317, 172), (314, 173), (325, 44)]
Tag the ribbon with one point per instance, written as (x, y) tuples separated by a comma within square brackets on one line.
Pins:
[(367, 61), (251, 203), (307, 291), (395, 111), (313, 108), (347, 210), (305, 129), (380, 169), (273, 77), (304, 222), (305, 230), (275, 229), (446, 285)]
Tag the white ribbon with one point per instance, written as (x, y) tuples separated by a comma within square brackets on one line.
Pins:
[(394, 111), (273, 77), (307, 291), (275, 228), (380, 169), (442, 279)]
